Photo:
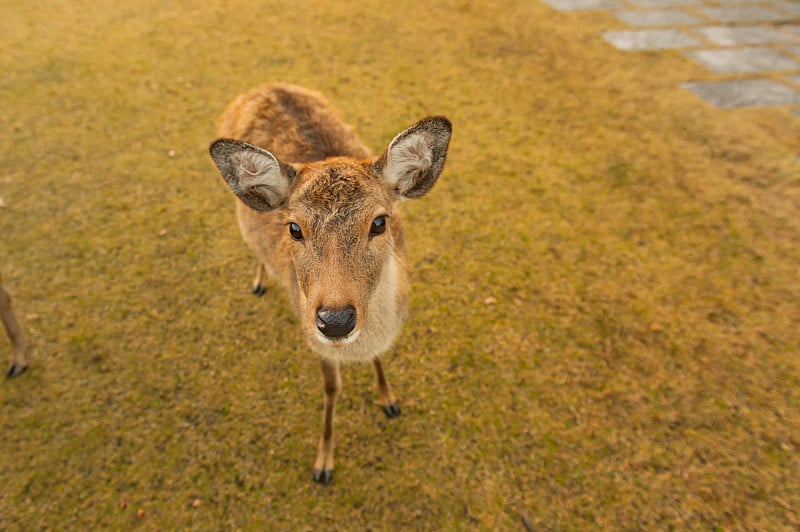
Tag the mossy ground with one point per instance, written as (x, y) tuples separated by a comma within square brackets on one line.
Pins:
[(604, 315)]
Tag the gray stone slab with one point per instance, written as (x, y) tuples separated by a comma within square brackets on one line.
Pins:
[(582, 5), (744, 60), (743, 14), (795, 79), (733, 35), (794, 50), (664, 3), (789, 7), (657, 18), (791, 29), (744, 93), (649, 39)]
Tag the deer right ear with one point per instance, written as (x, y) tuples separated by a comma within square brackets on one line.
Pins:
[(415, 158), (253, 174)]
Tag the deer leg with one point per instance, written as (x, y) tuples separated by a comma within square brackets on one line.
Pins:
[(386, 398), (18, 343), (259, 283), (323, 468)]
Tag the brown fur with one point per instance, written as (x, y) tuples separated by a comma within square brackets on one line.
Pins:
[(294, 165), (294, 124), (19, 345)]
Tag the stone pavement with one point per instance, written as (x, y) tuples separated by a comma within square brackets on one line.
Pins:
[(751, 48)]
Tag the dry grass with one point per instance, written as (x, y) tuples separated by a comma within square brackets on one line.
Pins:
[(636, 368)]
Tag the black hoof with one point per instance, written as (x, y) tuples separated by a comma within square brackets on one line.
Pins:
[(16, 371), (323, 476), (259, 290), (392, 410)]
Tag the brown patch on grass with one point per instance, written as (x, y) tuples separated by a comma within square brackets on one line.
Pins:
[(586, 196)]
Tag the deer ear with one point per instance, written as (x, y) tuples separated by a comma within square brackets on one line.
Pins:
[(253, 174), (415, 158)]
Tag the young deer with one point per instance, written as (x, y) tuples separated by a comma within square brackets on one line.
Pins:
[(19, 345), (322, 216)]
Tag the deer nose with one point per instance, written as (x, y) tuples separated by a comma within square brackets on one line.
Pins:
[(336, 323)]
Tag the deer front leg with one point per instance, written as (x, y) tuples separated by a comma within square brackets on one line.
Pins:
[(386, 398), (259, 283), (323, 468), (18, 343)]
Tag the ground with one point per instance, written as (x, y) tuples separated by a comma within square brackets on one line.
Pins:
[(605, 284)]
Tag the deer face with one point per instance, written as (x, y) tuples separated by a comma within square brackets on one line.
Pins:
[(343, 240)]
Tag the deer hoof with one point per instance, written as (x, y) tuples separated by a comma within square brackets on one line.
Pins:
[(323, 476), (392, 410), (16, 371), (259, 290)]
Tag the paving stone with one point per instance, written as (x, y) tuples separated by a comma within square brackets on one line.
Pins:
[(575, 5), (743, 60), (733, 35), (791, 7), (795, 79), (664, 3), (657, 18), (743, 14), (744, 93), (649, 39), (794, 50)]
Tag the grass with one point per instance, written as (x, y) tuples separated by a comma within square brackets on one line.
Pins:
[(604, 314)]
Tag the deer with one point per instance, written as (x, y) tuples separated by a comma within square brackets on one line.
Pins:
[(322, 215), (19, 345)]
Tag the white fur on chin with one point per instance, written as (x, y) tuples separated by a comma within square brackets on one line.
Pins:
[(338, 341)]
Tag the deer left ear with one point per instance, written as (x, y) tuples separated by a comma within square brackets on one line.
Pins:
[(256, 176), (415, 158)]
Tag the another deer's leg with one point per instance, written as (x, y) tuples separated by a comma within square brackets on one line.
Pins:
[(323, 468), (385, 396), (18, 343), (259, 283)]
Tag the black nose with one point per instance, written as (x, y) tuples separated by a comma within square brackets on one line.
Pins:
[(336, 323)]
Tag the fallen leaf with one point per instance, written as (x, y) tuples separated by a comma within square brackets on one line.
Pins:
[(171, 153), (140, 513), (490, 300), (2, 203), (655, 327), (196, 503), (162, 232)]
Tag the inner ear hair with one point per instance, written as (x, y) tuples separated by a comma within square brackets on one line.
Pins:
[(407, 161), (254, 168)]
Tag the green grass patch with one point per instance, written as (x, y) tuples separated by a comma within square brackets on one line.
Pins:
[(604, 309)]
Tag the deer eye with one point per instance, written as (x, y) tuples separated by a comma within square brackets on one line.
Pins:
[(378, 226), (296, 232)]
